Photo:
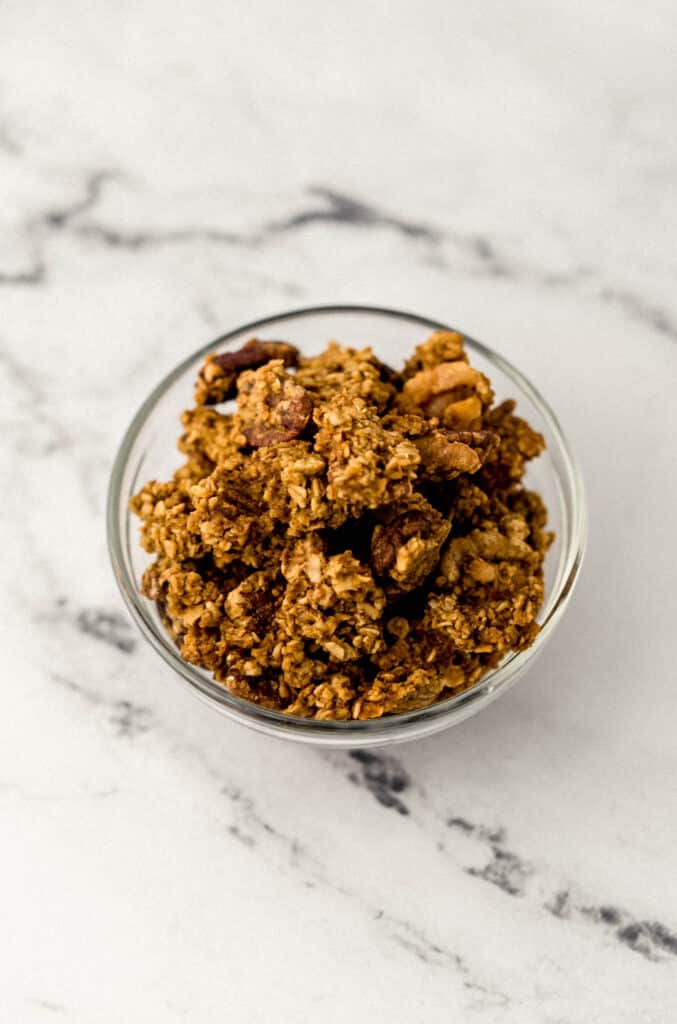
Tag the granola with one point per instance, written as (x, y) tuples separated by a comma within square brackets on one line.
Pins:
[(349, 542)]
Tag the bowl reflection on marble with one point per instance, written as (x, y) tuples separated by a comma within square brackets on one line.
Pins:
[(148, 452)]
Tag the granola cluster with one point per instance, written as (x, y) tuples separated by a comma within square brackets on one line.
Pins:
[(348, 541)]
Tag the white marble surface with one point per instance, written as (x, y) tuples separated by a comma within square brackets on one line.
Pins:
[(167, 172)]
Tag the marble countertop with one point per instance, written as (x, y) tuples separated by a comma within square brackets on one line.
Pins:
[(168, 172)]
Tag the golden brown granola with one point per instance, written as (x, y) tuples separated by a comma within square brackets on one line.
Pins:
[(351, 542), (218, 377)]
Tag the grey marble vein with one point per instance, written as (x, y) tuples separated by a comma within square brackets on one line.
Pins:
[(259, 835), (339, 208), (480, 254), (386, 778), (333, 208), (129, 719), (108, 626), (430, 953), (35, 274), (505, 870), (28, 394), (651, 939), (92, 191), (105, 625), (655, 317), (383, 776)]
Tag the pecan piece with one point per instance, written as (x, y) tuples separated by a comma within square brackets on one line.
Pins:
[(272, 406), (406, 544), (446, 454), (453, 392), (217, 379), (293, 414)]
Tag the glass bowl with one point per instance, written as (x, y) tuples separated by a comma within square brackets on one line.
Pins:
[(148, 451)]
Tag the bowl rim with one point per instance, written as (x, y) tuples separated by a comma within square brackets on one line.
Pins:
[(350, 733)]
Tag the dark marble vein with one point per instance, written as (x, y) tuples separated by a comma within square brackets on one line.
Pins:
[(651, 939), (331, 207), (489, 834), (505, 870), (478, 254), (512, 874), (340, 208), (386, 778), (334, 208), (134, 240), (130, 719), (108, 626), (383, 776), (93, 189), (70, 218), (642, 311), (111, 627)]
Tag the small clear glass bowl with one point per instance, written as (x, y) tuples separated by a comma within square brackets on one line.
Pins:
[(148, 451)]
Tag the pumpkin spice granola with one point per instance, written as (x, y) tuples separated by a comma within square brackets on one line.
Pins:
[(350, 541)]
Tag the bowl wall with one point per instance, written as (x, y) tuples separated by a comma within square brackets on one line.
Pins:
[(148, 451)]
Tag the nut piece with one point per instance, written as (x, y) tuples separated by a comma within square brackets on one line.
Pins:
[(446, 454), (272, 407), (217, 379), (406, 544), (454, 392)]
